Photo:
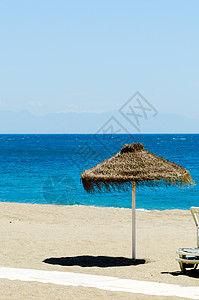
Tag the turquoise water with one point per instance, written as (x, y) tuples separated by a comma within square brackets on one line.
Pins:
[(46, 169)]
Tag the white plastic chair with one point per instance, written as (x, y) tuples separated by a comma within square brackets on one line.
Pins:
[(195, 215), (189, 257)]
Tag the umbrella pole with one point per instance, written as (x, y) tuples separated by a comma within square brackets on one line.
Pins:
[(133, 223)]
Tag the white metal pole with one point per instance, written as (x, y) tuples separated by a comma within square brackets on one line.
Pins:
[(133, 222)]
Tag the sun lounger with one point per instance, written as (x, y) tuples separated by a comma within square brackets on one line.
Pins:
[(189, 257)]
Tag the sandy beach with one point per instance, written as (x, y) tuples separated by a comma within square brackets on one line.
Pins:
[(89, 240)]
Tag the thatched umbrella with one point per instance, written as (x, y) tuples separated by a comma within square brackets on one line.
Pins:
[(134, 164)]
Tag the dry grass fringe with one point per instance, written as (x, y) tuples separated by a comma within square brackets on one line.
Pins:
[(134, 163)]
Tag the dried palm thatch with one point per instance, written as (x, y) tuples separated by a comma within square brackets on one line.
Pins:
[(134, 163)]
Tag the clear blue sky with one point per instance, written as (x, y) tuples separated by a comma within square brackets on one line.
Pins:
[(59, 56)]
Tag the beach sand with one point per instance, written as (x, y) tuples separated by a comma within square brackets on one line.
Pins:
[(31, 234)]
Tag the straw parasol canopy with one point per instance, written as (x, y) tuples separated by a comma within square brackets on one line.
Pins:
[(137, 165), (134, 163)]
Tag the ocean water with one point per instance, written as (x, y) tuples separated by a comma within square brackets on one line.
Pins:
[(46, 169)]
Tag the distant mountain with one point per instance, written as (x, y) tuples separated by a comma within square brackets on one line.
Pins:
[(24, 122), (171, 123), (71, 122)]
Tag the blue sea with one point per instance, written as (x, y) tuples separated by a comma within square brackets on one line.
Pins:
[(46, 169)]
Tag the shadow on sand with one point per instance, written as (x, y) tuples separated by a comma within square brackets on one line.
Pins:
[(94, 261), (189, 273)]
